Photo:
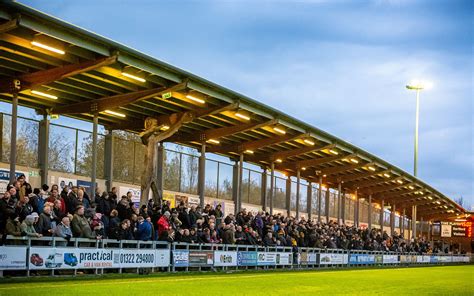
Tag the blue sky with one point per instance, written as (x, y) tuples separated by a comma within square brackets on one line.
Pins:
[(341, 66)]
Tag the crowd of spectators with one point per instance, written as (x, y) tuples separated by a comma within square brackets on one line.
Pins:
[(72, 213)]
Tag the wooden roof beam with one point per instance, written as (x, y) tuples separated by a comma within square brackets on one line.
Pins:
[(113, 102), (340, 169), (383, 188), (220, 132), (9, 25)]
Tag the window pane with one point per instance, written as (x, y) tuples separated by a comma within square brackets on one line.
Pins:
[(171, 170), (280, 193), (62, 146), (255, 188), (189, 173), (84, 154), (123, 160), (210, 188)]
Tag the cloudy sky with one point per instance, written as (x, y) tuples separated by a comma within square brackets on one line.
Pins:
[(339, 65)]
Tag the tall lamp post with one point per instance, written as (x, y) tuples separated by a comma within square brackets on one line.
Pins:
[(416, 86)]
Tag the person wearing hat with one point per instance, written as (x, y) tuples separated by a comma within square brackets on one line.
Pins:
[(13, 225), (163, 224), (27, 226)]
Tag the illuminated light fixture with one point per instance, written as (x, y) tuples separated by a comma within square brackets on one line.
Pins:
[(354, 160), (333, 151), (437, 202), (445, 207), (324, 176), (165, 128), (460, 220), (39, 93), (248, 151), (309, 141), (399, 181), (371, 168), (195, 99), (386, 175), (243, 114), (323, 187), (430, 198), (131, 76), (279, 160), (213, 141), (303, 168), (47, 47), (411, 187), (110, 112), (419, 85), (279, 129)]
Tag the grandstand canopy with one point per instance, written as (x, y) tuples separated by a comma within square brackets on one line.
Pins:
[(65, 70)]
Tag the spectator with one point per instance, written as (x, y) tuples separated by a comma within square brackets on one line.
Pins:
[(144, 229), (27, 226), (80, 226), (44, 225), (13, 225), (163, 224), (63, 229)]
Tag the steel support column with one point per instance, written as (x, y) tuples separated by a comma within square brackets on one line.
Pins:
[(202, 175), (264, 192), (339, 206), (95, 125), (370, 213), (13, 137), (288, 196), (382, 214), (413, 221), (43, 149), (298, 180), (160, 167), (320, 194), (109, 160), (326, 206), (356, 209), (402, 224), (392, 219), (241, 189), (343, 204), (272, 186), (309, 201)]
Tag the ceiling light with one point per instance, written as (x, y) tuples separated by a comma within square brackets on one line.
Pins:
[(279, 129), (243, 114), (249, 151), (39, 93), (309, 141), (399, 181), (165, 128), (195, 99), (437, 202), (354, 160), (131, 76), (333, 151), (386, 175), (303, 168), (430, 198), (279, 160), (371, 168), (47, 47), (213, 141), (411, 187), (324, 176), (110, 112)]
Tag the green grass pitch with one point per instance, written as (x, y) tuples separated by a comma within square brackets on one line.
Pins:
[(442, 280)]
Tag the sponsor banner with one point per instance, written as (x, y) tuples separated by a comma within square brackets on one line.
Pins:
[(266, 258), (312, 258), (446, 230), (434, 259), (445, 259), (330, 258), (181, 258), (379, 259), (246, 258), (137, 258), (362, 259), (284, 258), (224, 258), (419, 259), (5, 178), (459, 231), (201, 258), (87, 186), (136, 193), (390, 259), (12, 258), (63, 182), (71, 258), (426, 259)]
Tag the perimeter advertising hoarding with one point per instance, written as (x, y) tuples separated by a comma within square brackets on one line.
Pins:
[(201, 258), (331, 258), (5, 178), (225, 258), (307, 258), (180, 258), (362, 259), (12, 258), (246, 258), (390, 259), (72, 258), (284, 258), (266, 258)]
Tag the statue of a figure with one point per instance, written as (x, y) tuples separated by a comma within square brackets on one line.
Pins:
[(151, 136)]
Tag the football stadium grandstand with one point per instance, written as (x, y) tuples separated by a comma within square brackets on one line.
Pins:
[(180, 174)]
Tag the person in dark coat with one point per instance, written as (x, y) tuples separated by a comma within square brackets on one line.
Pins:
[(44, 225)]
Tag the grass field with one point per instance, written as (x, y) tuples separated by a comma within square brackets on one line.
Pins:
[(442, 280)]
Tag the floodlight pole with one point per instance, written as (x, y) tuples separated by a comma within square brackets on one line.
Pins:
[(415, 166)]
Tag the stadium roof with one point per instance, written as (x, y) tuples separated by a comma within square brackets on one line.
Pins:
[(64, 69)]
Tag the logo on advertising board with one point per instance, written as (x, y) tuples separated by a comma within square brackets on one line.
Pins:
[(247, 258), (445, 230), (12, 258), (225, 258), (201, 258), (181, 258)]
